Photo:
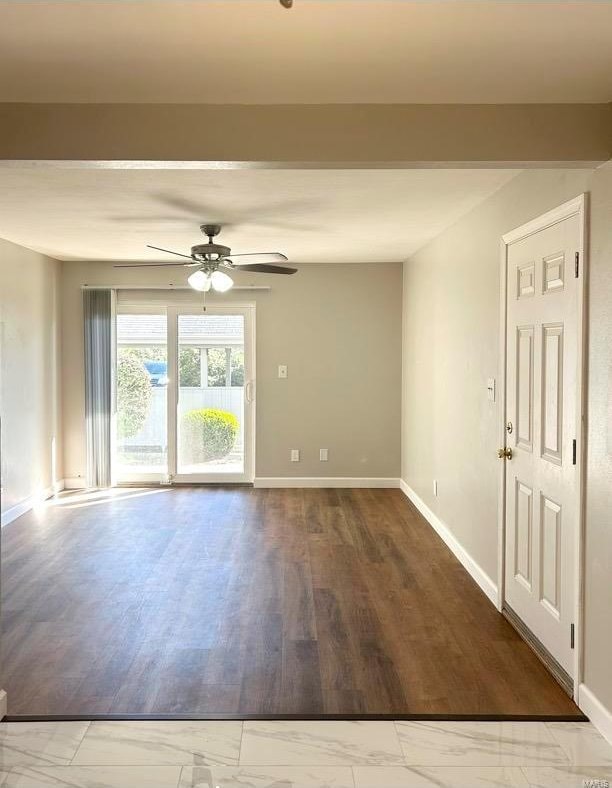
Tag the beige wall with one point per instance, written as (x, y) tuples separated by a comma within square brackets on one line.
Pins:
[(337, 327), (29, 374), (450, 348), (363, 134)]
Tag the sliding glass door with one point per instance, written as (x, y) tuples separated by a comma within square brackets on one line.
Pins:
[(185, 395)]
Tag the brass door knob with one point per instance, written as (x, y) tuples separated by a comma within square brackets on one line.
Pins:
[(505, 453)]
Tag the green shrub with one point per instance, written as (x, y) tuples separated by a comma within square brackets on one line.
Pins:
[(133, 395), (207, 434)]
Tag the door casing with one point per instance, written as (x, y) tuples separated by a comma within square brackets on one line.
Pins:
[(575, 207)]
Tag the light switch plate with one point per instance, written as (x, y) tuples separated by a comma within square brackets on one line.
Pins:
[(491, 389), (282, 371)]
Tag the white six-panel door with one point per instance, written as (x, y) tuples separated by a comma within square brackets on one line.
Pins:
[(542, 379)]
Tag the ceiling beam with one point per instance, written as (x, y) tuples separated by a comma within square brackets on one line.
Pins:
[(332, 135)]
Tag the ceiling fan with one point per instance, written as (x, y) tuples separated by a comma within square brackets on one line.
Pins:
[(208, 258)]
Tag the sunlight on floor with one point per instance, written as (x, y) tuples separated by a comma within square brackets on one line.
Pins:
[(81, 499)]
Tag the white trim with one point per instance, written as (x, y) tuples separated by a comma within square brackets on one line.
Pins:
[(575, 207), (150, 307), (598, 714), (30, 502), (113, 392), (444, 532), (554, 216), (16, 511), (329, 481), (3, 704), (336, 164), (172, 391), (581, 442), (502, 435)]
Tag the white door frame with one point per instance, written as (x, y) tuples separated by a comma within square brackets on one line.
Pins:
[(576, 207), (248, 475)]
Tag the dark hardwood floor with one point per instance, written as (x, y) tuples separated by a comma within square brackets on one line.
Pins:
[(235, 600)]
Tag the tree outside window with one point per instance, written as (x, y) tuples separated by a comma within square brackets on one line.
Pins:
[(190, 360), (189, 367)]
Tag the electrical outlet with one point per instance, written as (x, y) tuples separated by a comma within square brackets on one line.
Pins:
[(295, 455), (323, 455), (435, 487)]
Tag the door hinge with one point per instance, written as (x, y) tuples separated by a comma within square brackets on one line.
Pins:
[(572, 636), (577, 265), (574, 451)]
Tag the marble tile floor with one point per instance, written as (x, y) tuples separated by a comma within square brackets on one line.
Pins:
[(302, 754)]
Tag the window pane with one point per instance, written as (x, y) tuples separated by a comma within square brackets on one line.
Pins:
[(210, 398), (190, 366), (237, 367), (216, 366), (142, 378)]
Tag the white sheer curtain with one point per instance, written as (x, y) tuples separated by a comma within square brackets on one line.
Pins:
[(98, 320)]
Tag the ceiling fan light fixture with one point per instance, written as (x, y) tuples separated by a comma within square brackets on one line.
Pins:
[(205, 280), (221, 282), (200, 281)]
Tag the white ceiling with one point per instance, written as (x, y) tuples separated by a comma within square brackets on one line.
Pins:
[(310, 215), (351, 51)]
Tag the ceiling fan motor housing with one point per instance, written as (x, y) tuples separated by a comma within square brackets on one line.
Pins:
[(209, 251)]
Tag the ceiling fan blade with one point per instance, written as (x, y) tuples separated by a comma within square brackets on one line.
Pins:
[(264, 268), (152, 265), (260, 257), (169, 251)]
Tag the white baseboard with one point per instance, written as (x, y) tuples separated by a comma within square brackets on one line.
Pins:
[(3, 704), (472, 567), (29, 503), (600, 716), (322, 481)]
